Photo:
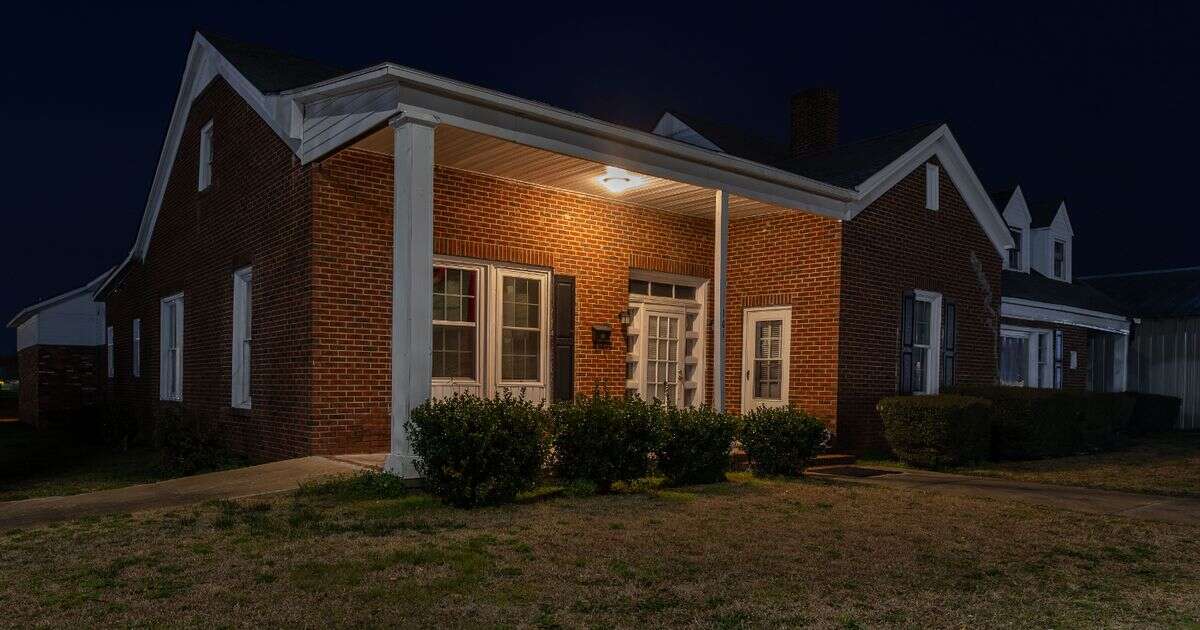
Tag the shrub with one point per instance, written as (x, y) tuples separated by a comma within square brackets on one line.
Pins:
[(1153, 412), (478, 451), (781, 440), (107, 424), (188, 443), (936, 431), (1106, 420), (605, 439), (695, 444)]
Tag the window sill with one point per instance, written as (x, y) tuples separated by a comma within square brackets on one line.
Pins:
[(239, 411)]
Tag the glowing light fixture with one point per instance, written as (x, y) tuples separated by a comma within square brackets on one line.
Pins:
[(618, 180)]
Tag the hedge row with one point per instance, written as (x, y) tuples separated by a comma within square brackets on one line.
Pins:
[(1017, 423), (484, 451)]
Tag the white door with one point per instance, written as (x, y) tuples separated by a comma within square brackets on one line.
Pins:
[(664, 356), (766, 352)]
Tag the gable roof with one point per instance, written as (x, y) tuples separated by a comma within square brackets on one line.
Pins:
[(90, 289), (1036, 287), (1164, 293), (271, 70), (732, 140), (1002, 196), (852, 164)]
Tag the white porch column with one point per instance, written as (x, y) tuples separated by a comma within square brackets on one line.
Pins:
[(720, 262), (412, 278)]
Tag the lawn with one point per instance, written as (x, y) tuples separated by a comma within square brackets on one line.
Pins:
[(51, 463), (750, 553), (1166, 463)]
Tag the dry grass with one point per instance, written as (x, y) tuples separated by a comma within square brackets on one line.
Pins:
[(1167, 463), (749, 553)]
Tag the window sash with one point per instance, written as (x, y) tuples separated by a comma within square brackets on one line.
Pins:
[(137, 348), (112, 368), (519, 362), (171, 343), (460, 286), (1060, 259), (243, 293), (206, 156)]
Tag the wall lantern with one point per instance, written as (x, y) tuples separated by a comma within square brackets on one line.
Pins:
[(618, 180), (625, 317)]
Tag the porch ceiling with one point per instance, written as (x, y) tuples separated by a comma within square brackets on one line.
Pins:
[(470, 151)]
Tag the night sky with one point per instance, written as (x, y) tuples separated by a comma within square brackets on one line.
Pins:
[(1092, 102)]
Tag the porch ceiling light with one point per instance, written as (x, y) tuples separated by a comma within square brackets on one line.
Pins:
[(618, 180)]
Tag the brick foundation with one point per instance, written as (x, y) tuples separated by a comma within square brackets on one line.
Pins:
[(58, 381)]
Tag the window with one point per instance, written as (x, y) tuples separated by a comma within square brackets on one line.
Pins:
[(766, 356), (662, 289), (206, 155), (455, 322), (1060, 259), (931, 187), (1014, 254), (491, 329), (1043, 362), (1025, 357), (922, 347), (664, 338), (137, 348), (108, 336), (242, 337), (520, 332), (171, 348), (768, 362)]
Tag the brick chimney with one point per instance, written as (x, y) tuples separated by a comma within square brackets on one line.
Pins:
[(814, 120)]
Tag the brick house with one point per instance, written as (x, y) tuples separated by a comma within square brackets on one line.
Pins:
[(323, 250), (1054, 332)]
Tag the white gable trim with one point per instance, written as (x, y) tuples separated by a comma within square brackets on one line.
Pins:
[(940, 143), (1017, 308), (1016, 211), (89, 288), (670, 126)]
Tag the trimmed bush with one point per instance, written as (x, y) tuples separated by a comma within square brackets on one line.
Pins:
[(478, 451), (695, 445), (188, 443), (781, 440), (1153, 412), (605, 439), (937, 431), (1031, 423)]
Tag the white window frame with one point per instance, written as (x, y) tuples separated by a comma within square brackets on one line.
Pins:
[(933, 358), (644, 305), (1020, 250), (206, 156), (489, 327), (242, 316), (137, 348), (1041, 376), (481, 301), (932, 189), (112, 366), (1066, 256), (171, 367), (496, 324)]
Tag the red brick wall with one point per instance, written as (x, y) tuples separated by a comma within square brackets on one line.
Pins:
[(791, 259), (590, 238), (1074, 339), (57, 381), (257, 212), (893, 246)]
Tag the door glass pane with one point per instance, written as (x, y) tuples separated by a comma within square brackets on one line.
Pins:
[(768, 364), (662, 360), (1014, 360)]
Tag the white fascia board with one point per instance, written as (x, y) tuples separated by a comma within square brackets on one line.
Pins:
[(91, 287), (1018, 308), (942, 144), (561, 131)]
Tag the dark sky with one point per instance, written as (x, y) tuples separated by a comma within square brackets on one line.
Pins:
[(1092, 102)]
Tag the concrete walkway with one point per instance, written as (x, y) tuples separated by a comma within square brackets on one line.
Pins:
[(1145, 506), (227, 484)]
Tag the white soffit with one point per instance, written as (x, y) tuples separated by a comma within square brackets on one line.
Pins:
[(479, 153)]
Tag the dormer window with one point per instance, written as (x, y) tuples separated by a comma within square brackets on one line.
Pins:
[(1060, 259), (1014, 254), (206, 155)]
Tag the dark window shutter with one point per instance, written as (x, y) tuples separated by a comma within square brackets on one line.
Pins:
[(563, 342), (949, 341), (906, 344)]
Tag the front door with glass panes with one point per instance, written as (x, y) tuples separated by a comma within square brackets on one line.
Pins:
[(766, 348), (665, 339)]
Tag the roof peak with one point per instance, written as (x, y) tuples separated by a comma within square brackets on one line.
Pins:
[(1148, 272)]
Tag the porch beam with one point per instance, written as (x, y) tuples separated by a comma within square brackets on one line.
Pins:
[(720, 264), (412, 279)]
